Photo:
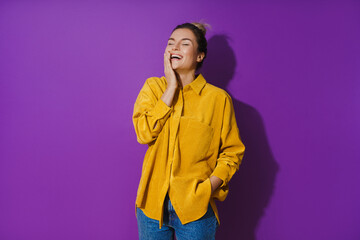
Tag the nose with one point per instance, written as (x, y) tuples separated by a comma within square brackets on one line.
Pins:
[(175, 46)]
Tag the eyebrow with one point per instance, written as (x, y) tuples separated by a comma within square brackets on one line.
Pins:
[(181, 39)]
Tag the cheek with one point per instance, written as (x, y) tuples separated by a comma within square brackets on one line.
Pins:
[(190, 54)]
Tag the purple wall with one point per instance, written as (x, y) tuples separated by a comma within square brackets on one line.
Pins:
[(70, 73)]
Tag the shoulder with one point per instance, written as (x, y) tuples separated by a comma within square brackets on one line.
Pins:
[(156, 82), (217, 92), (154, 86)]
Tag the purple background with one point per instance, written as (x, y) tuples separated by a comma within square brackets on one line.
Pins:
[(70, 73)]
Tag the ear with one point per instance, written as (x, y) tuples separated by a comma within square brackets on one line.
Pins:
[(200, 57)]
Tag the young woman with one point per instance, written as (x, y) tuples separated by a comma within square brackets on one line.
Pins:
[(194, 146)]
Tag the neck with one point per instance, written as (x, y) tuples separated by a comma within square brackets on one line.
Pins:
[(185, 77)]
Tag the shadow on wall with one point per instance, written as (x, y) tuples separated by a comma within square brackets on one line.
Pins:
[(251, 187)]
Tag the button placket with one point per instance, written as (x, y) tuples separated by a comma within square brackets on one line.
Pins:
[(176, 119), (174, 130)]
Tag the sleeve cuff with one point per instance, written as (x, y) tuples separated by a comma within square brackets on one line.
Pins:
[(160, 109)]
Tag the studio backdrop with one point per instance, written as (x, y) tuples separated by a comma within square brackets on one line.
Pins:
[(70, 72)]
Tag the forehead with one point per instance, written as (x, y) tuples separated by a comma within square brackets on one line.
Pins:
[(181, 33)]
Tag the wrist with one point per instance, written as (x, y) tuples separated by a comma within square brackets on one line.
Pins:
[(215, 182), (172, 87)]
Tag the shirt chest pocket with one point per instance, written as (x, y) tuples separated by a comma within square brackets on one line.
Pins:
[(194, 140)]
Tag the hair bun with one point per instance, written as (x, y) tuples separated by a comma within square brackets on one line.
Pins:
[(202, 26)]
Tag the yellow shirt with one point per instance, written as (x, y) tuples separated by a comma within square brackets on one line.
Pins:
[(195, 138)]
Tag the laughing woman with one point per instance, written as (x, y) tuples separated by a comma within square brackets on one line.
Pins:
[(194, 146)]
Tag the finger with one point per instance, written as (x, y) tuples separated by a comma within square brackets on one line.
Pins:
[(166, 60), (167, 56), (169, 59)]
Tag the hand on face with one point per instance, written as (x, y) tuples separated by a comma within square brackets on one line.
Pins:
[(169, 71)]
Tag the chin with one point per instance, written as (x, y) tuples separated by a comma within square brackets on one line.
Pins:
[(180, 68)]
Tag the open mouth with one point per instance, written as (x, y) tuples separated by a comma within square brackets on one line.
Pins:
[(175, 57)]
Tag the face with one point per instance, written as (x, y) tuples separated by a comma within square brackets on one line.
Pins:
[(183, 47)]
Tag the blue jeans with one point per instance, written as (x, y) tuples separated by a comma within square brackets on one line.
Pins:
[(201, 229)]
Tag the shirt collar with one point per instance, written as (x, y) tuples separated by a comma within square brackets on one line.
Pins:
[(198, 83)]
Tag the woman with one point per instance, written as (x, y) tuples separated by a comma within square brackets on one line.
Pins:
[(194, 144)]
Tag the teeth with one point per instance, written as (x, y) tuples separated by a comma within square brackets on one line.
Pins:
[(176, 56)]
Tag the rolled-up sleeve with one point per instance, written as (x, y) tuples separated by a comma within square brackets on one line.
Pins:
[(150, 113), (231, 150)]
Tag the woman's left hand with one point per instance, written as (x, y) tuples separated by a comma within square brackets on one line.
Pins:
[(215, 183)]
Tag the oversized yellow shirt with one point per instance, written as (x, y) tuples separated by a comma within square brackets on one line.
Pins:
[(187, 143)]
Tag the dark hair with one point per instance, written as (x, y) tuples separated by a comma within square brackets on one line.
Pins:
[(199, 31)]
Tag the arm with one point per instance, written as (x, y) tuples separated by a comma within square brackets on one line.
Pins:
[(151, 113), (168, 96), (172, 84), (230, 154)]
